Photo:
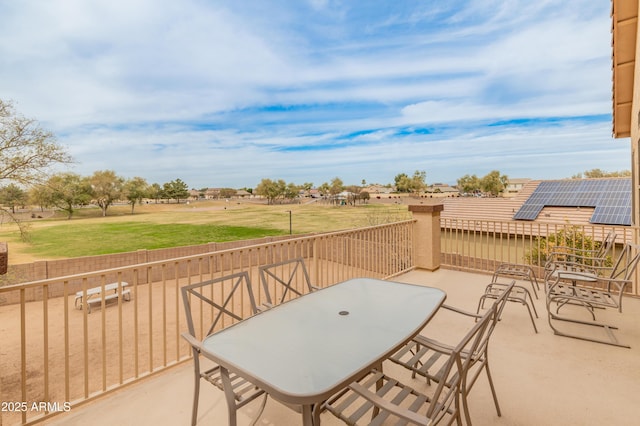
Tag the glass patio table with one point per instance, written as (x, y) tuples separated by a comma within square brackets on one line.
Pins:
[(303, 351)]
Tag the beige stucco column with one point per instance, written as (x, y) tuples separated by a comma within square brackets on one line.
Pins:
[(426, 241)]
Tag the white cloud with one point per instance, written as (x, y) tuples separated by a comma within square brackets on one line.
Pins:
[(225, 93)]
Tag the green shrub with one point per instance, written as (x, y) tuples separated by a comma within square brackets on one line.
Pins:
[(575, 241)]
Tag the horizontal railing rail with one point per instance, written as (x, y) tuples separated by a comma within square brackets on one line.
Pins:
[(54, 354)]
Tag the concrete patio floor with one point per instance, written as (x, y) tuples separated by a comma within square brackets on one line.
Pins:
[(541, 379)]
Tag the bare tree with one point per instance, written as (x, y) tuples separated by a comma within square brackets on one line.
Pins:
[(27, 152)]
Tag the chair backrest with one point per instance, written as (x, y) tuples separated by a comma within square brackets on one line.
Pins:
[(607, 245), (219, 294), (463, 356), (581, 260), (498, 305), (445, 396), (286, 276), (626, 262)]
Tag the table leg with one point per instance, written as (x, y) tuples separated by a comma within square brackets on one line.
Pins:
[(307, 415)]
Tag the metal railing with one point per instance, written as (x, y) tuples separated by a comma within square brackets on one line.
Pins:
[(54, 356), (479, 245)]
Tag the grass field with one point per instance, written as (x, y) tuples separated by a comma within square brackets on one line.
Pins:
[(155, 226)]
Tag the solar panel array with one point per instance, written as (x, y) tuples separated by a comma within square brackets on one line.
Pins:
[(610, 197)]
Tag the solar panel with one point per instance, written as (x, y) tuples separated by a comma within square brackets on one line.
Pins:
[(611, 199)]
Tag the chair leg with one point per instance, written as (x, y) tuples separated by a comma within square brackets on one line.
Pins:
[(531, 316), (229, 396), (523, 300), (532, 305), (493, 389), (196, 391), (611, 340), (317, 409), (458, 411), (480, 304), (465, 406), (233, 421)]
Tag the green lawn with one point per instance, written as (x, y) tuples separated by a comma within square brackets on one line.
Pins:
[(103, 238), (171, 225)]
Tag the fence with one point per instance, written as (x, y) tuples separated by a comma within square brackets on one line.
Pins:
[(479, 246), (54, 356)]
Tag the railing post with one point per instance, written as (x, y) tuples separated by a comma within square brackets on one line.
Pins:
[(427, 235)]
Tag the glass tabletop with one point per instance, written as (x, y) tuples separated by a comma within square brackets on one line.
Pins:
[(308, 347)]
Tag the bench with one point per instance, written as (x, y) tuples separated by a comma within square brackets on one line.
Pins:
[(94, 296)]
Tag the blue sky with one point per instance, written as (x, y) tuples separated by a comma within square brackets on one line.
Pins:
[(225, 93)]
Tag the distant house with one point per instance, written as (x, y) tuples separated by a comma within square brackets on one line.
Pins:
[(515, 185), (442, 188), (216, 193), (378, 189), (194, 195), (315, 193), (212, 193)]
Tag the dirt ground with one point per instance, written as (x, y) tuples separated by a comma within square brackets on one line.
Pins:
[(91, 357)]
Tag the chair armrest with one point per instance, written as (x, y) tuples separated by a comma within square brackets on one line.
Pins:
[(576, 260), (434, 345), (571, 250), (578, 276), (616, 287), (618, 283), (461, 311), (559, 267), (563, 257), (195, 343)]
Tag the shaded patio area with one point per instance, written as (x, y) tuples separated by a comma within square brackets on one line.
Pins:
[(540, 378)]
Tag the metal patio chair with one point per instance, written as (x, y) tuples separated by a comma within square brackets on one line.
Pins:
[(424, 356), (597, 288), (213, 313), (519, 294), (383, 397), (517, 271), (288, 278)]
